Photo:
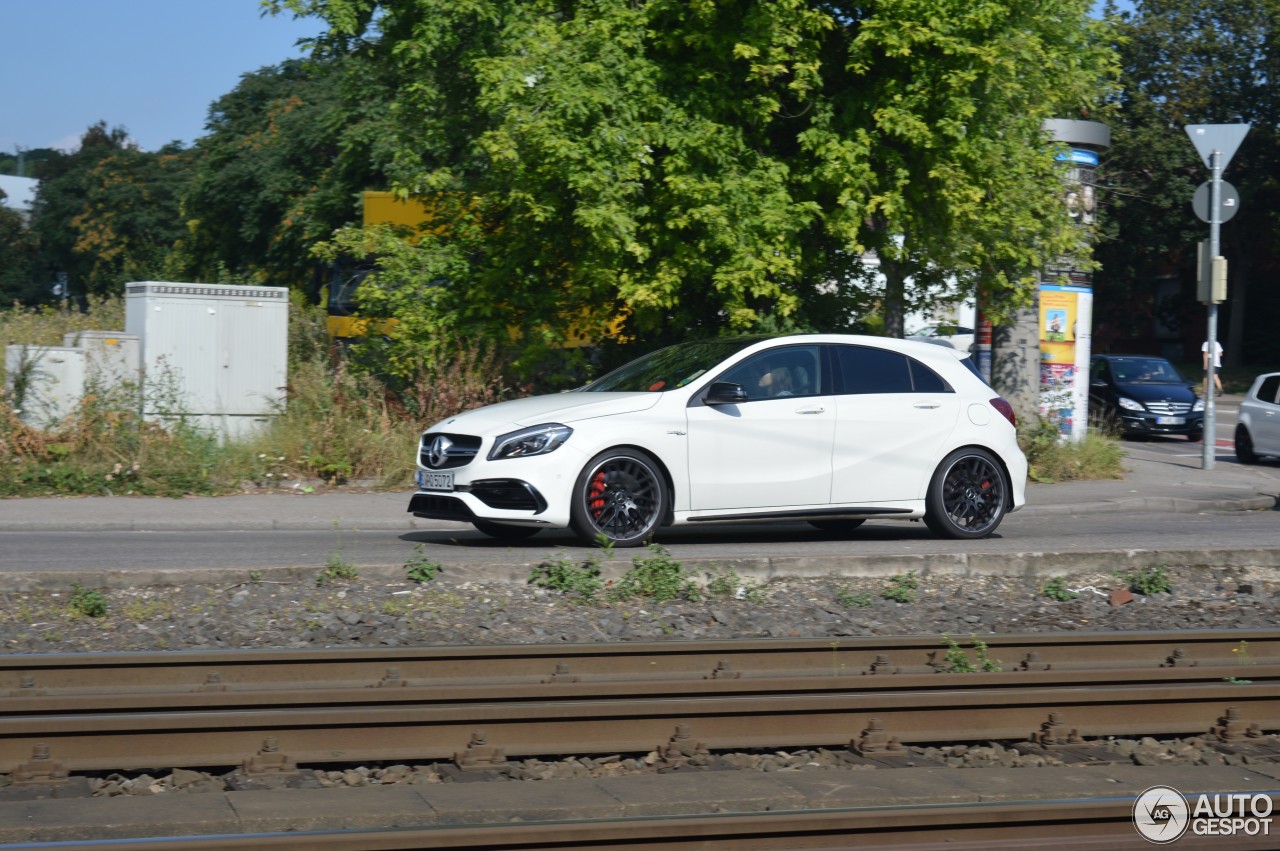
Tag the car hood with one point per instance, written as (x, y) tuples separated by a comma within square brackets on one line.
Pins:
[(534, 410), (1147, 392)]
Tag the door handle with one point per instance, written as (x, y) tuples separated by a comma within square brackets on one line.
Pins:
[(928, 406), (817, 410)]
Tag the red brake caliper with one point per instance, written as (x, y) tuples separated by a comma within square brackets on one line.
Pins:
[(595, 495)]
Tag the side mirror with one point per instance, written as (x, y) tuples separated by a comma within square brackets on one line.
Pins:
[(726, 393)]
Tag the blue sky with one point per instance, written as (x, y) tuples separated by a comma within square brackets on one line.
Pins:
[(151, 66)]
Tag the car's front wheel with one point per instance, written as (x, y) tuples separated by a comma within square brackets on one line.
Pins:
[(1245, 453), (503, 532), (620, 499), (967, 496)]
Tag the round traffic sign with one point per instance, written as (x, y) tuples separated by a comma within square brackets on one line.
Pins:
[(1228, 202)]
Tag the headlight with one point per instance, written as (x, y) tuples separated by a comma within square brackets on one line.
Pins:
[(1130, 405), (1198, 406), (535, 440)]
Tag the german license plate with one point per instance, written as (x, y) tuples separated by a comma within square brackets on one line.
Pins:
[(1171, 420), (430, 481)]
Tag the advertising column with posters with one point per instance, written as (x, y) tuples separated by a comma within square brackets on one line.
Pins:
[(1066, 293)]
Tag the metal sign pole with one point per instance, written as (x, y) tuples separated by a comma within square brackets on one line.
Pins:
[(1210, 439)]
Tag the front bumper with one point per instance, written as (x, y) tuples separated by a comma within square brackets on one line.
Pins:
[(1137, 423)]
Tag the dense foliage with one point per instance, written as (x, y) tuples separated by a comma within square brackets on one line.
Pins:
[(1192, 62), (694, 167)]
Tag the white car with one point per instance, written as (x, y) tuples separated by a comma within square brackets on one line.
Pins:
[(827, 429), (1258, 423), (955, 336)]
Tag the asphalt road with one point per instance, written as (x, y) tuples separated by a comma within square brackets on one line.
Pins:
[(81, 551)]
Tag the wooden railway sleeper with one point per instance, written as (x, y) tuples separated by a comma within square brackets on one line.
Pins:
[(41, 769), (724, 671)]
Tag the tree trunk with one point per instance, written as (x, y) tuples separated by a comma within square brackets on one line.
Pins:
[(894, 296), (1015, 362)]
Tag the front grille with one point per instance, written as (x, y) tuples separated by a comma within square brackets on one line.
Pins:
[(1165, 407), (439, 507), (440, 451)]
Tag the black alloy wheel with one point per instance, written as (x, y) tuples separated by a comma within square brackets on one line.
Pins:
[(620, 497), (1244, 446), (968, 495)]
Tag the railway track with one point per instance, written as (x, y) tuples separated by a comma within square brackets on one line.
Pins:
[(94, 712)]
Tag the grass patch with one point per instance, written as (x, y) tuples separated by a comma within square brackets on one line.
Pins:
[(1051, 459), (658, 577), (901, 588)]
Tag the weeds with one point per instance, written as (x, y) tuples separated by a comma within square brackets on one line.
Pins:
[(1056, 589), (851, 599), (1051, 459), (419, 568), (569, 577), (86, 602), (725, 582), (956, 659), (337, 567), (1146, 581), (659, 577), (902, 588)]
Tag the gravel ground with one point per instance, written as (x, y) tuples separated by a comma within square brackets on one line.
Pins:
[(335, 612)]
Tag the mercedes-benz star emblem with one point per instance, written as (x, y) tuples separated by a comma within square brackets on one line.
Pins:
[(439, 451)]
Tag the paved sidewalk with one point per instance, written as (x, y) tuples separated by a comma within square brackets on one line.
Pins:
[(1157, 480)]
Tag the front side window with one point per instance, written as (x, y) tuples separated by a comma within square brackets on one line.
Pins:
[(1269, 391), (864, 370), (778, 373)]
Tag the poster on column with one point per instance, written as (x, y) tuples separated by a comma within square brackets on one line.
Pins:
[(1062, 310)]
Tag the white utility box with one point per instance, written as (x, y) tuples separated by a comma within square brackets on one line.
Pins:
[(46, 382), (51, 380), (216, 353)]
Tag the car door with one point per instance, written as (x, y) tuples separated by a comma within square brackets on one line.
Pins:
[(1266, 419), (774, 449), (893, 416)]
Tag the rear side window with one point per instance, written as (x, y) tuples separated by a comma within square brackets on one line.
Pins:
[(867, 370), (1269, 389)]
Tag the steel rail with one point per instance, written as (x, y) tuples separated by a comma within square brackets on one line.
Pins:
[(260, 670), (440, 730), (1097, 823)]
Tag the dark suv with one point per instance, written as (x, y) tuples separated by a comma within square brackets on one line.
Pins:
[(1140, 394)]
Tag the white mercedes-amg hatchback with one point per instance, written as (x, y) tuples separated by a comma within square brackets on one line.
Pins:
[(827, 429)]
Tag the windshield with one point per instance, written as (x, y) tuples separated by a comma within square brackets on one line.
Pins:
[(1144, 371), (670, 368)]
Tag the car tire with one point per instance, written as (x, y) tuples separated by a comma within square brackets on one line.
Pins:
[(1244, 446), (967, 496), (837, 527), (619, 499), (503, 532), (1195, 436)]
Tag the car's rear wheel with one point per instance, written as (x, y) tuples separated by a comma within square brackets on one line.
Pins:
[(620, 499), (837, 527), (503, 532), (967, 496), (1244, 446)]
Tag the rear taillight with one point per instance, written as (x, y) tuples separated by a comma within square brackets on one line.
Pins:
[(1005, 408)]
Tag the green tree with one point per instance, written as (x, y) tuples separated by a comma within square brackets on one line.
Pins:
[(284, 161), (703, 166), (17, 257), (1192, 62), (109, 213)]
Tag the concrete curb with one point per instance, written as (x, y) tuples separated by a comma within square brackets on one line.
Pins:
[(1031, 564), (1164, 504)]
